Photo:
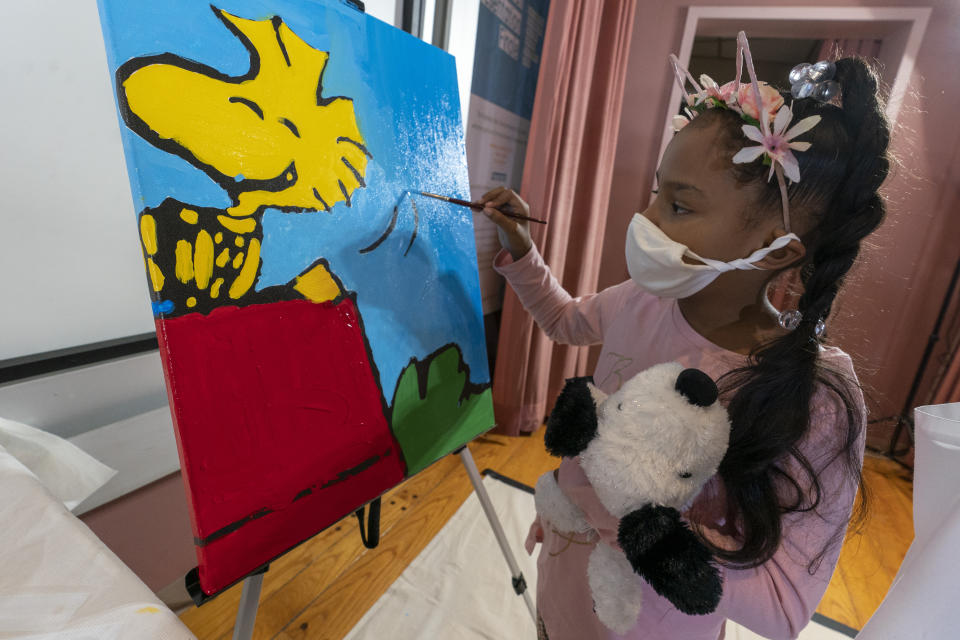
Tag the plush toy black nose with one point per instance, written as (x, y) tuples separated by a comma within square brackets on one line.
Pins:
[(697, 387)]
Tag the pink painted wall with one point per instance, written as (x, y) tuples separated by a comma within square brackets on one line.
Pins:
[(891, 301), (149, 530)]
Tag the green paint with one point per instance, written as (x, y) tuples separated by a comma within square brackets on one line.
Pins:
[(447, 412)]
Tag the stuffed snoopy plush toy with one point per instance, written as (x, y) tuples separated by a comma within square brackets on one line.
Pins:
[(647, 450)]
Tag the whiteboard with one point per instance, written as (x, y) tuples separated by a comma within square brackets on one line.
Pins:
[(70, 259)]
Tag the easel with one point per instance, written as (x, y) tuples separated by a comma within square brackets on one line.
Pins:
[(253, 583), (250, 596)]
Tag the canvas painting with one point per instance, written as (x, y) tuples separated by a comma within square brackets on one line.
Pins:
[(319, 325)]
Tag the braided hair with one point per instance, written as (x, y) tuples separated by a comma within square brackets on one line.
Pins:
[(769, 399)]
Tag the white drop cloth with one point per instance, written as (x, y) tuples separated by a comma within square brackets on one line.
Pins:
[(459, 586), (58, 580), (70, 473)]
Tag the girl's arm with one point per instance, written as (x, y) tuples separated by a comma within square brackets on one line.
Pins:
[(567, 320)]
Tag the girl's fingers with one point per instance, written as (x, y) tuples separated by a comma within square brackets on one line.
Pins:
[(499, 219), (503, 197), (489, 195)]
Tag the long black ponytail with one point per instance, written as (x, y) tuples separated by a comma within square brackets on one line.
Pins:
[(770, 399)]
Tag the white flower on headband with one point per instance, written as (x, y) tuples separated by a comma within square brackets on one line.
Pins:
[(726, 94), (777, 145), (758, 103), (680, 121)]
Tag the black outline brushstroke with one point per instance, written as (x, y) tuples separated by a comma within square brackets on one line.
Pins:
[(259, 513), (358, 469), (422, 368), (356, 174), (343, 190), (355, 143), (390, 227), (316, 194), (233, 187), (276, 22), (289, 125), (250, 104), (170, 229), (230, 528), (416, 226)]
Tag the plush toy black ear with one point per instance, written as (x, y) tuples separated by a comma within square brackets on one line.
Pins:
[(666, 553), (573, 422), (697, 387)]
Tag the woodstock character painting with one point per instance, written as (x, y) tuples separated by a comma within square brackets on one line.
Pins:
[(269, 138), (282, 422)]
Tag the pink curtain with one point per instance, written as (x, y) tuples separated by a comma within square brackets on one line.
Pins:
[(947, 383), (566, 179), (949, 388)]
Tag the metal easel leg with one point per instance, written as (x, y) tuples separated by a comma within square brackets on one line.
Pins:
[(247, 611), (519, 583)]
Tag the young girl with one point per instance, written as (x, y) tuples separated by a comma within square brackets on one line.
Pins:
[(775, 513)]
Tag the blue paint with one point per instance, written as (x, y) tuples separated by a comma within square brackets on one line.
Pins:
[(163, 306), (407, 108)]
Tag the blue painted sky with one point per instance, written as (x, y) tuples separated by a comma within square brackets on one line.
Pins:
[(406, 102)]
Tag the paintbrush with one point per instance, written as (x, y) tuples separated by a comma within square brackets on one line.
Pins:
[(506, 210)]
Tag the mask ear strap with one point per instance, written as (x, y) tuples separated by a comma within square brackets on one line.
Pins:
[(743, 54)]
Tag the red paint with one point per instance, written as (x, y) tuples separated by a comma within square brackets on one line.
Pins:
[(270, 400)]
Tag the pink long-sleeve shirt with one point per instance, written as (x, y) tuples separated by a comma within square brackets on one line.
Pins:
[(638, 330)]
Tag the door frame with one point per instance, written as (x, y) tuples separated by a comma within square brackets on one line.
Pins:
[(901, 29)]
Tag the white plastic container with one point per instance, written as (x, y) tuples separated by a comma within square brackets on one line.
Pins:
[(923, 599)]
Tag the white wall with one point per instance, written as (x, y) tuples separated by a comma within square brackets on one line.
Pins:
[(463, 40), (69, 254), (385, 10)]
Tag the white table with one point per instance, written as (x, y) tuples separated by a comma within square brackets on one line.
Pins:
[(58, 580)]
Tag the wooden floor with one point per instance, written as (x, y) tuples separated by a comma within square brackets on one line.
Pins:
[(322, 588)]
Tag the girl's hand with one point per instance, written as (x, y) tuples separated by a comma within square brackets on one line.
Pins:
[(514, 234)]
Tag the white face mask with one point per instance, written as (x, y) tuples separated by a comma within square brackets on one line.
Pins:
[(655, 262)]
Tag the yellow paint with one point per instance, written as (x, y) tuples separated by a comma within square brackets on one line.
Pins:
[(245, 278), (238, 241), (238, 260), (219, 237), (148, 610), (232, 138), (215, 287), (148, 233), (203, 259), (156, 276), (191, 301), (184, 255), (317, 285), (189, 216), (238, 225), (223, 258)]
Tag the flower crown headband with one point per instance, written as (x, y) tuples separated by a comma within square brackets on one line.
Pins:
[(758, 104)]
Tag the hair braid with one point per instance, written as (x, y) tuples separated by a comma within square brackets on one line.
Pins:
[(769, 400), (856, 209)]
